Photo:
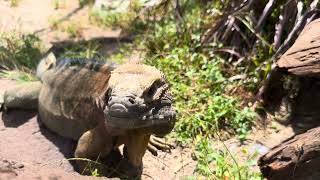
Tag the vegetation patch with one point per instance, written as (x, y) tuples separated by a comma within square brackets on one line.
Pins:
[(222, 164), (128, 19), (19, 52)]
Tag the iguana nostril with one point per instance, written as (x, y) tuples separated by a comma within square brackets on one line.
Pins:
[(132, 101)]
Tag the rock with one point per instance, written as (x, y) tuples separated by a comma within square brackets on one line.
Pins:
[(296, 157)]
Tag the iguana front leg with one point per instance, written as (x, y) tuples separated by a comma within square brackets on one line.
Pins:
[(135, 146), (94, 145)]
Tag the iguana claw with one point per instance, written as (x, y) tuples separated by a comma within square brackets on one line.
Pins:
[(156, 144)]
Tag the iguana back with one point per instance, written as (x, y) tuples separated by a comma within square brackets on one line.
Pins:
[(70, 93)]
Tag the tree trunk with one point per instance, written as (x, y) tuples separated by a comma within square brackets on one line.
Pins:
[(296, 158)]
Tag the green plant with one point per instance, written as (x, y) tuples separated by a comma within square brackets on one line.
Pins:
[(73, 29), (95, 173), (117, 17), (17, 75), (91, 166), (59, 4), (222, 164), (85, 2), (82, 50), (20, 51), (54, 22), (199, 88), (14, 3)]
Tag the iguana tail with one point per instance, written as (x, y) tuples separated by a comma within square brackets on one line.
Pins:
[(25, 96), (21, 96)]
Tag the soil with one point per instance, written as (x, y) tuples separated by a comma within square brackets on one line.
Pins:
[(30, 151), (38, 16)]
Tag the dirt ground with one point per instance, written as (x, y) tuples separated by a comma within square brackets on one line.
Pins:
[(30, 151), (38, 16)]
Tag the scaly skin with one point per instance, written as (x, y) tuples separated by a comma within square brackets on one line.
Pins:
[(103, 106)]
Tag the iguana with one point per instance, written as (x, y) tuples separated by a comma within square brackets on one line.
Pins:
[(100, 104)]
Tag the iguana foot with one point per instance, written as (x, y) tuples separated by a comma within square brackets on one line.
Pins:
[(156, 144)]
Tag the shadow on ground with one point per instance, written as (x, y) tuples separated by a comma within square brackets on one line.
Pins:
[(15, 118)]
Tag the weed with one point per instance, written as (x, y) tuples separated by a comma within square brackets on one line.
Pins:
[(108, 16), (91, 166), (95, 173), (14, 3), (221, 164), (19, 51), (58, 4), (95, 50), (198, 86), (105, 18), (81, 50), (73, 29), (19, 76), (85, 2), (54, 23), (123, 52)]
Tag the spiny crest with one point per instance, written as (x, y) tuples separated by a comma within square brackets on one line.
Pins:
[(138, 69), (45, 64)]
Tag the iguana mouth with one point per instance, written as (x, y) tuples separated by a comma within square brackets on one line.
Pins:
[(129, 120)]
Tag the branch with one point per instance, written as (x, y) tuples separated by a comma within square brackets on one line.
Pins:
[(266, 11), (287, 12), (294, 33)]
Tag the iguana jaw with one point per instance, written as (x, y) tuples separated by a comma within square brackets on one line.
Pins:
[(155, 116)]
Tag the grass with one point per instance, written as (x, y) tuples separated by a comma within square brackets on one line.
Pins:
[(73, 29), (106, 18), (82, 50), (199, 82), (59, 4), (54, 22), (109, 17), (222, 164), (14, 3), (85, 2), (20, 76), (95, 50), (19, 50), (200, 97)]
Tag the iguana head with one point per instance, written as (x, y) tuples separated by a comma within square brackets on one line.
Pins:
[(137, 97)]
